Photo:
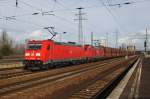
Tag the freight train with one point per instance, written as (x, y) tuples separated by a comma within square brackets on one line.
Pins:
[(43, 54)]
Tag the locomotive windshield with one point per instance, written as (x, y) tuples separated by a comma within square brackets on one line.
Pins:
[(34, 46)]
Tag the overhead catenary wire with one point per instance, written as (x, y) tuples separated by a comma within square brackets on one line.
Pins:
[(93, 6), (110, 12), (60, 17), (129, 3), (28, 14), (41, 26), (58, 2), (31, 6), (38, 13), (39, 9)]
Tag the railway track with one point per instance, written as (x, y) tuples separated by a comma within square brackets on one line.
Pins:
[(10, 86), (103, 85), (13, 72), (5, 74), (32, 81), (13, 68)]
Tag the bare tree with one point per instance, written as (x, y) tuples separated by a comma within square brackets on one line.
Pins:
[(6, 46), (4, 37)]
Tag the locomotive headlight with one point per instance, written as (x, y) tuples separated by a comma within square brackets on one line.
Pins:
[(27, 54), (38, 54)]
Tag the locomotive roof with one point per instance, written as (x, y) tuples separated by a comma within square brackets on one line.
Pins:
[(68, 43), (38, 41), (64, 43), (60, 43)]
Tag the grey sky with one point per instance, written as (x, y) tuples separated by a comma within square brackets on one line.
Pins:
[(129, 20)]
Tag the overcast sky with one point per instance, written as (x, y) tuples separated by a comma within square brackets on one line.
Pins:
[(129, 20)]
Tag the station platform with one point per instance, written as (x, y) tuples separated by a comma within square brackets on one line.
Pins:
[(136, 84)]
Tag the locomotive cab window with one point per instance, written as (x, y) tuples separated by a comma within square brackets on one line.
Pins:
[(34, 46)]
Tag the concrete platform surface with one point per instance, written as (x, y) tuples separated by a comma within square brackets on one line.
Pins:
[(136, 84)]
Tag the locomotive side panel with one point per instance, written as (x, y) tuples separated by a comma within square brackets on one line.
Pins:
[(67, 52)]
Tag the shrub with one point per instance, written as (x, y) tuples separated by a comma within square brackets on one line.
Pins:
[(6, 50)]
